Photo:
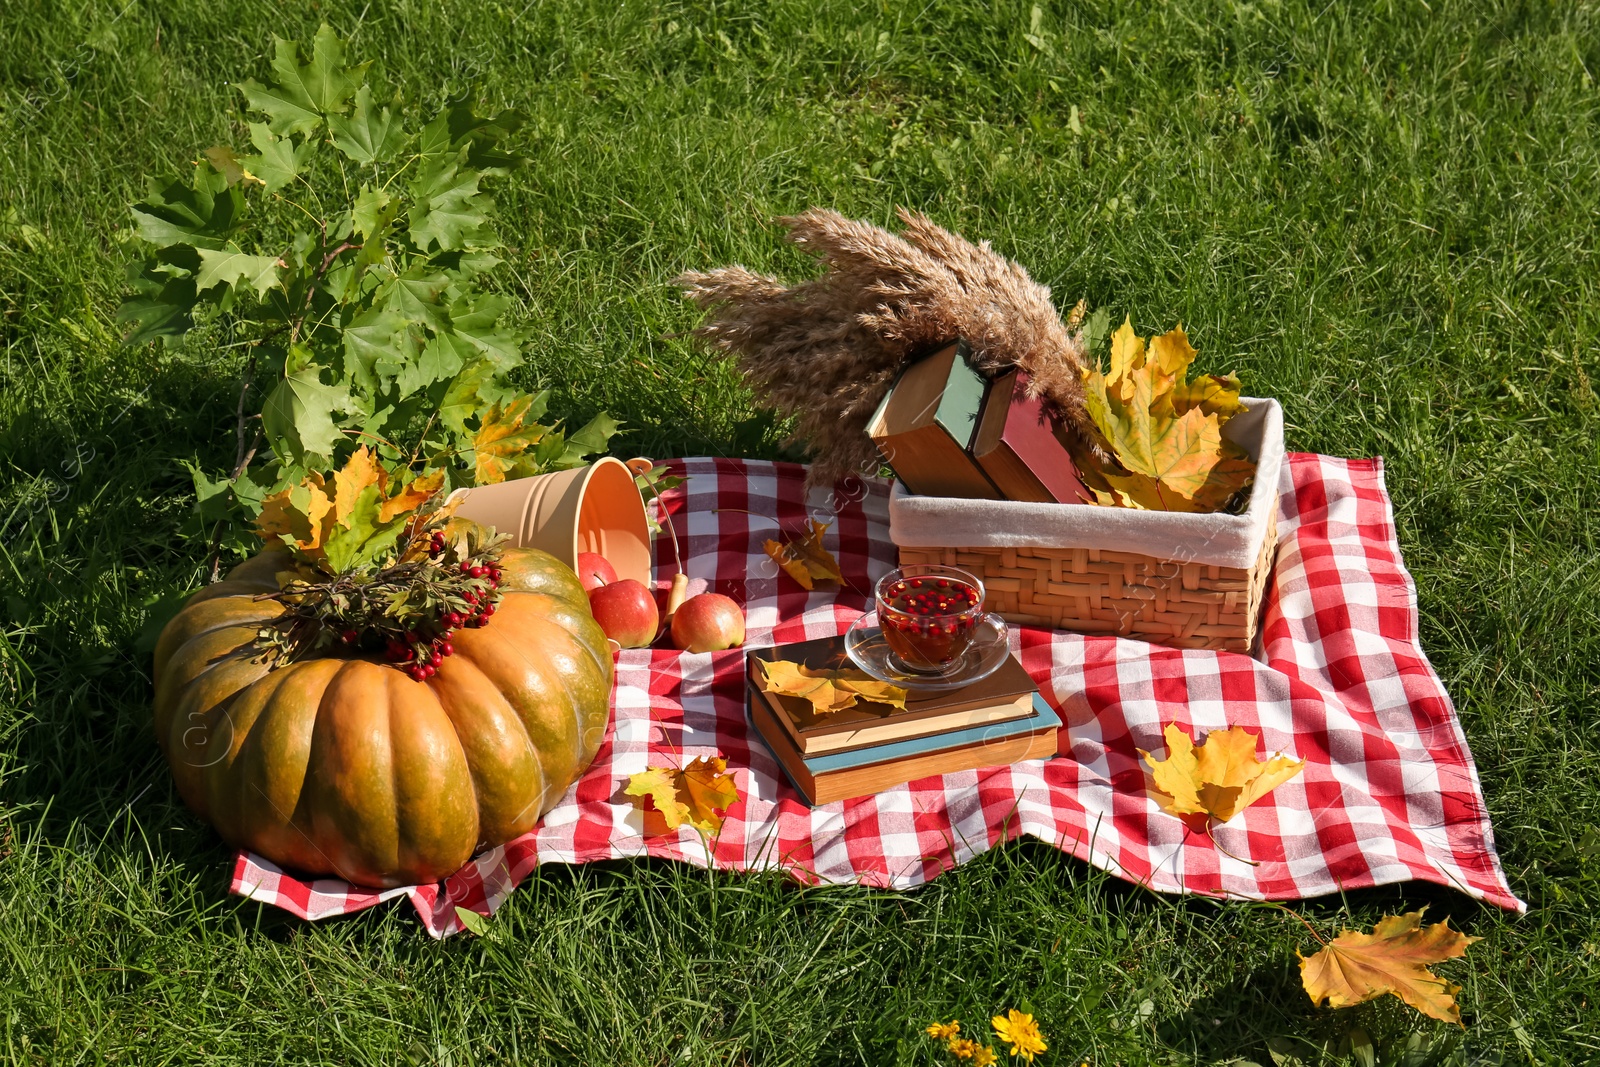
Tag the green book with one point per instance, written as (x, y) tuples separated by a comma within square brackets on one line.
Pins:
[(924, 426)]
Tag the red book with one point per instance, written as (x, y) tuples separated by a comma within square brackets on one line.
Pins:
[(1016, 445)]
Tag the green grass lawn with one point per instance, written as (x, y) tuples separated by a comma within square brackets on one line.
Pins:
[(1383, 214)]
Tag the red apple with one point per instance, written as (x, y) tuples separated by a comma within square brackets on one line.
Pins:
[(626, 611), (594, 571), (707, 623)]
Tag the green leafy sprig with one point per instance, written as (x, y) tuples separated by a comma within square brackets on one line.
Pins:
[(346, 250)]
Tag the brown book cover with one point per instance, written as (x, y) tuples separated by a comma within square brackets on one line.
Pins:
[(1016, 445), (1002, 696), (845, 776), (924, 425)]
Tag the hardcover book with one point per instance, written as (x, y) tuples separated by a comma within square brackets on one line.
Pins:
[(1016, 445), (925, 424), (866, 771), (1003, 696)]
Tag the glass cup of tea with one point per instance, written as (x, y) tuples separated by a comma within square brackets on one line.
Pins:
[(928, 614)]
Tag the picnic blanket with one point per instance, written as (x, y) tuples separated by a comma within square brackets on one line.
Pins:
[(1339, 679)]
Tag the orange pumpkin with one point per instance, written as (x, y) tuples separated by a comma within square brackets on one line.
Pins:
[(344, 765)]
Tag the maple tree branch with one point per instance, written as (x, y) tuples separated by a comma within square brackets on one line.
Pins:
[(422, 440)]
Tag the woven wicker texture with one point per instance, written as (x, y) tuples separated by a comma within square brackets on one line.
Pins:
[(1098, 591)]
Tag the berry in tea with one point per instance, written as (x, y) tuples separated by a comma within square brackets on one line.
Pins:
[(929, 621)]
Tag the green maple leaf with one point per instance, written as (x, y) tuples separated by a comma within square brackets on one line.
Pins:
[(201, 214), (474, 321), (415, 295), (359, 538), (440, 360), (301, 96), (297, 416), (278, 160), (592, 439), (367, 136), (373, 213), (482, 136), (448, 211), (159, 307), (368, 341), (471, 393), (231, 266)]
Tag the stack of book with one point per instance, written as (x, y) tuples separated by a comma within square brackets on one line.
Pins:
[(870, 747), (948, 431)]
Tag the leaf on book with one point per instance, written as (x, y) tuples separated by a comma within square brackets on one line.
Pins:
[(1165, 430), (1355, 968), (804, 558), (828, 690), (699, 794), (1220, 777)]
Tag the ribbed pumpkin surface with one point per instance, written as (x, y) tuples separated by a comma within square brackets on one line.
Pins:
[(345, 765)]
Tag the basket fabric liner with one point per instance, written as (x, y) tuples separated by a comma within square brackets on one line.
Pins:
[(1389, 792), (1218, 539)]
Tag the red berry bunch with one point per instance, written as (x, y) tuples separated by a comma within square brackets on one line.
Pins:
[(421, 650), (406, 608)]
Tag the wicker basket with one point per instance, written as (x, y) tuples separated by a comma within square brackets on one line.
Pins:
[(1201, 587)]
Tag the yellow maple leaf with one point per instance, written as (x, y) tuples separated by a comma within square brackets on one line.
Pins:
[(1221, 777), (805, 559), (1394, 958), (1165, 431), (300, 516), (828, 690), (361, 470), (502, 438), (698, 794), (305, 517)]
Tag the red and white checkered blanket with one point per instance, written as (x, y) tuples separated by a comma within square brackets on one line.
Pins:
[(1389, 792)]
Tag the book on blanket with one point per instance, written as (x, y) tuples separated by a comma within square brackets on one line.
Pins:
[(1003, 696), (863, 772)]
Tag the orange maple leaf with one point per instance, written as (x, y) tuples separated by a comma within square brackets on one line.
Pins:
[(413, 495), (1221, 777), (1394, 958), (300, 516), (1166, 431), (828, 690), (804, 558), (698, 794)]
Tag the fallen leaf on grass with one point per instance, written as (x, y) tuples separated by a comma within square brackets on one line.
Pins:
[(1221, 777), (698, 794), (1355, 968), (804, 558), (828, 690)]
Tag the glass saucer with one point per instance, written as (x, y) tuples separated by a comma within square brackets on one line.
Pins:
[(867, 649)]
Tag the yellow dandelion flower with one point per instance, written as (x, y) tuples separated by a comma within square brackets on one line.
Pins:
[(1018, 1030), (983, 1057), (943, 1031), (964, 1049)]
